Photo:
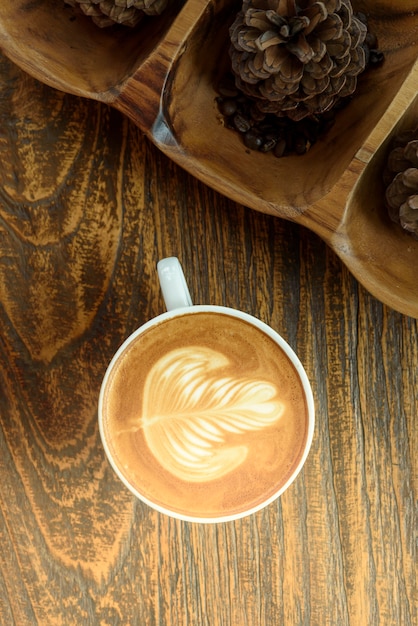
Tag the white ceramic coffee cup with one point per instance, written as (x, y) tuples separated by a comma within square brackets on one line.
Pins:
[(179, 303)]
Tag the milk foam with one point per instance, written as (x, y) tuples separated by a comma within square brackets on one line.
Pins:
[(195, 413)]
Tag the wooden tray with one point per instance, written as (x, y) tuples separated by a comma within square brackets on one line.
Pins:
[(162, 75)]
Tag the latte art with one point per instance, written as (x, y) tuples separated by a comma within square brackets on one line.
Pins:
[(204, 415), (190, 410)]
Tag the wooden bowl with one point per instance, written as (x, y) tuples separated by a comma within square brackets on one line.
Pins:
[(163, 74)]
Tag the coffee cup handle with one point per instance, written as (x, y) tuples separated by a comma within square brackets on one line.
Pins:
[(173, 284)]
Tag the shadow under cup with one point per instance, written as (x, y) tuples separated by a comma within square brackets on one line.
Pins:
[(206, 414)]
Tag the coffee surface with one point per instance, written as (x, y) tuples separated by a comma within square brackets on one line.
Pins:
[(205, 415)]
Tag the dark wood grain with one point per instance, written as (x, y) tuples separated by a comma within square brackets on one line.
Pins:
[(87, 207)]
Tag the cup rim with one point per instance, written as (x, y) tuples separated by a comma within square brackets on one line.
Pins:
[(282, 343)]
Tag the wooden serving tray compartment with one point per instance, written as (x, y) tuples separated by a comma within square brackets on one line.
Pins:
[(163, 75)]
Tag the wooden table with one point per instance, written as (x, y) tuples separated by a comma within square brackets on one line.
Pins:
[(87, 208)]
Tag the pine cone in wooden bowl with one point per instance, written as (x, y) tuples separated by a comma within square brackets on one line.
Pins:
[(401, 180), (110, 12), (296, 57)]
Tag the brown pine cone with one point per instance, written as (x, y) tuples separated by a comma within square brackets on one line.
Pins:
[(401, 181), (297, 58), (110, 12)]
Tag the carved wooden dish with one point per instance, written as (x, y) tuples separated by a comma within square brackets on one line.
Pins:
[(163, 74)]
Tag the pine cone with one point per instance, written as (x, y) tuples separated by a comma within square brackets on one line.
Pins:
[(110, 12), (401, 181), (297, 58)]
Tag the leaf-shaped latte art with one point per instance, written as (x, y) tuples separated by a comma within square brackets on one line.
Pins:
[(188, 411)]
